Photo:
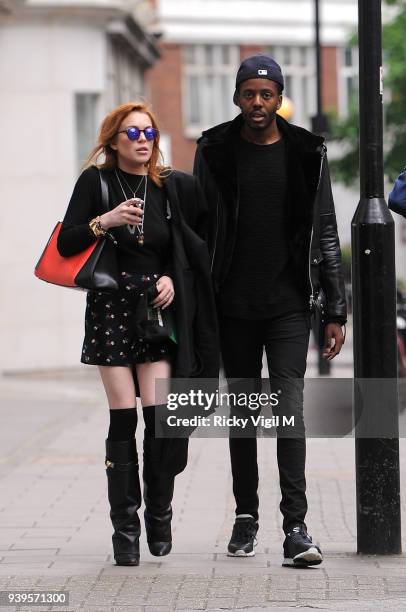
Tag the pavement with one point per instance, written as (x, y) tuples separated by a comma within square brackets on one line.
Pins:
[(55, 532)]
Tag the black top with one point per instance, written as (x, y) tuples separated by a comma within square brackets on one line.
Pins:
[(85, 204), (261, 282)]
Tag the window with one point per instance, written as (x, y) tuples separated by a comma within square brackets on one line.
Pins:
[(86, 114), (348, 79), (299, 70), (208, 85), (166, 148), (124, 75)]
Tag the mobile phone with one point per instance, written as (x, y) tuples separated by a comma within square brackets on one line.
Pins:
[(138, 203)]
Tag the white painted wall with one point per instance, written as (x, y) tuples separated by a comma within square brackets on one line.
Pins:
[(260, 21), (41, 67)]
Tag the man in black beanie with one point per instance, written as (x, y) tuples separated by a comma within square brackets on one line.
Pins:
[(274, 248)]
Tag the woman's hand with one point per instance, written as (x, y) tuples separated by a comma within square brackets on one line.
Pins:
[(166, 292), (126, 212)]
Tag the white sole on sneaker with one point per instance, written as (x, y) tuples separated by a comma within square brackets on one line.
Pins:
[(241, 553), (309, 557)]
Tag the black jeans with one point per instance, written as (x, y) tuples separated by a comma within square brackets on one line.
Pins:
[(286, 339)]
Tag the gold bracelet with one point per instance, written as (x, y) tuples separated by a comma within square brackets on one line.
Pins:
[(96, 227)]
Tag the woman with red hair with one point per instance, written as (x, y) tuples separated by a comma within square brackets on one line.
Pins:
[(155, 217)]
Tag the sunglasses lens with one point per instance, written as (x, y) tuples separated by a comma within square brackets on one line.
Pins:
[(133, 133), (150, 133)]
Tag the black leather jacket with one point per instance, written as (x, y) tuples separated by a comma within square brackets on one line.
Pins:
[(312, 227)]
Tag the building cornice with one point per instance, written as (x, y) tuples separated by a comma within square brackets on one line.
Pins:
[(52, 9), (113, 16), (129, 33)]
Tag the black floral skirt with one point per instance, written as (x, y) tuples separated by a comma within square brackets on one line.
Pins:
[(111, 336)]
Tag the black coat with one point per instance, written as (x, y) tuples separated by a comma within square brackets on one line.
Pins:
[(312, 229), (196, 322), (198, 351)]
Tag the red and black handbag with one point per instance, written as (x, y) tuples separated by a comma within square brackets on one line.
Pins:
[(94, 268)]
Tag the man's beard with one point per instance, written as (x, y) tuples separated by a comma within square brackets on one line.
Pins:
[(258, 128)]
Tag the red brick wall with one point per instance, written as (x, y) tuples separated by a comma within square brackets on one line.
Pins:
[(248, 50), (164, 90), (164, 87), (329, 71)]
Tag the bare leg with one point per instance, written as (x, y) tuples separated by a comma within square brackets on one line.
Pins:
[(119, 386), (153, 392)]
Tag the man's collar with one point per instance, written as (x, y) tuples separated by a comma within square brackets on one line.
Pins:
[(298, 137)]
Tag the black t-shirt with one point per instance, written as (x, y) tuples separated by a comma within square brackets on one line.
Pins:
[(85, 204), (261, 282)]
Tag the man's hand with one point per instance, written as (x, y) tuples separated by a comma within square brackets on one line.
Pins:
[(333, 340)]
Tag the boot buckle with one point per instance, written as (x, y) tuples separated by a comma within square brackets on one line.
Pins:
[(109, 464)]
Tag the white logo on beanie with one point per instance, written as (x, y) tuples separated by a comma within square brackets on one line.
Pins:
[(263, 72)]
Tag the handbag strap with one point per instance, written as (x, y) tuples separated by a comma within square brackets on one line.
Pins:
[(106, 200), (104, 191)]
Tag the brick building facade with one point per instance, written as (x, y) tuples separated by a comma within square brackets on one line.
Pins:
[(202, 43)]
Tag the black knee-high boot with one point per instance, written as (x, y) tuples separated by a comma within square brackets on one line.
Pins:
[(125, 499), (158, 489), (158, 493)]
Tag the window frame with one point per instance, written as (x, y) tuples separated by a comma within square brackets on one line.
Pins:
[(87, 126), (301, 76), (218, 71), (346, 72)]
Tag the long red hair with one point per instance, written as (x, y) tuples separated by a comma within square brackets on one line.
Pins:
[(108, 130)]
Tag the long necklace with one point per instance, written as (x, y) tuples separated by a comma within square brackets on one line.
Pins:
[(132, 228)]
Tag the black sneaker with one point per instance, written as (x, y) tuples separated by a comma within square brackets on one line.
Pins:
[(299, 550), (243, 537)]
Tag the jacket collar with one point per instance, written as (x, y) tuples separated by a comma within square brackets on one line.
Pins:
[(300, 139), (218, 148)]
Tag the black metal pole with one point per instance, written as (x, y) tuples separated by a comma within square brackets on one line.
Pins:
[(319, 122), (374, 290), (319, 126), (318, 55)]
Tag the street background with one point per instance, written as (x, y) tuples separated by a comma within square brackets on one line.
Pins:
[(55, 531), (63, 65)]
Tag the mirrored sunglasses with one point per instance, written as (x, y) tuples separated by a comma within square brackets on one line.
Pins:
[(133, 133)]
